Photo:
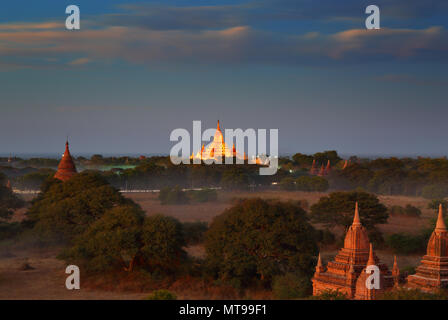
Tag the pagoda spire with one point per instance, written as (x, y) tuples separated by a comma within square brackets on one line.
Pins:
[(319, 261), (218, 128), (328, 168), (66, 168), (440, 225), (356, 220), (319, 267), (395, 269), (313, 167), (322, 170), (371, 261)]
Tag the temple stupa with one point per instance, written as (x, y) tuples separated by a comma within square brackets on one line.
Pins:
[(432, 274), (66, 168)]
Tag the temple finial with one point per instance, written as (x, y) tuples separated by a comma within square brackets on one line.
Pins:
[(440, 225), (218, 128), (395, 269), (371, 260), (319, 261), (356, 220)]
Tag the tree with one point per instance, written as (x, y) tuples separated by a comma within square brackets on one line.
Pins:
[(173, 196), (314, 183), (34, 180), (235, 178), (435, 191), (323, 157), (111, 242), (302, 160), (62, 211), (337, 209), (259, 239), (353, 176), (288, 184), (162, 239), (8, 200)]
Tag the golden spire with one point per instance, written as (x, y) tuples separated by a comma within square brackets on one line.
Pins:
[(440, 225), (218, 128), (356, 220), (371, 261)]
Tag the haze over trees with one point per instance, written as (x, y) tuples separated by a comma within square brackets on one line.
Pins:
[(9, 202)]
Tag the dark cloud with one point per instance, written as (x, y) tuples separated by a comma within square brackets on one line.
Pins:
[(164, 17)]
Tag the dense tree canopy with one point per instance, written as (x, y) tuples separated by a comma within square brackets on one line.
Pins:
[(258, 239), (162, 240), (65, 210), (113, 241), (337, 209)]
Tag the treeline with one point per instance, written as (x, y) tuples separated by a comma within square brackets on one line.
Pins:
[(427, 177), (159, 172)]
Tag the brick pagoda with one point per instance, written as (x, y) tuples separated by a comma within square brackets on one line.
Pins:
[(432, 274), (342, 274), (66, 168)]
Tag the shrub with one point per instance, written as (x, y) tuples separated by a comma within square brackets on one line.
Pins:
[(434, 191), (412, 294), (202, 196), (405, 244), (409, 211), (287, 184), (194, 232), (161, 295), (173, 196), (314, 183), (291, 286), (9, 230), (329, 294), (412, 211)]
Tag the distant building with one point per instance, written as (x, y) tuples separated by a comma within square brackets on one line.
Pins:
[(347, 272), (432, 274), (66, 168)]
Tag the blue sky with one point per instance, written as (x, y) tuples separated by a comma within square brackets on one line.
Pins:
[(137, 70)]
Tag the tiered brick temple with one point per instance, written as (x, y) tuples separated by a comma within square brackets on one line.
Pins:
[(346, 273), (66, 168), (432, 274)]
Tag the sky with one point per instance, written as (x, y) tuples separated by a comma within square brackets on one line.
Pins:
[(137, 70)]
